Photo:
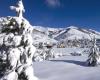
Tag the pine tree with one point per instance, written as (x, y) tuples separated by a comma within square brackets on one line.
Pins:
[(16, 48), (93, 58)]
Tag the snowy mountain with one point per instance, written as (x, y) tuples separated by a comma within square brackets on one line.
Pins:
[(72, 32), (41, 34), (69, 33), (48, 30)]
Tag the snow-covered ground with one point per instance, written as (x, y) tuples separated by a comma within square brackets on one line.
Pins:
[(66, 68), (67, 51)]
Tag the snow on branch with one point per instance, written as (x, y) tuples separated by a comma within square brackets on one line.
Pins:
[(19, 9)]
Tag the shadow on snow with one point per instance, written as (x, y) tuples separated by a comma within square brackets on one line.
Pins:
[(81, 63)]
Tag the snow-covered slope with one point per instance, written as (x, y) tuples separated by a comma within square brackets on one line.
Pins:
[(41, 35), (48, 30), (72, 32)]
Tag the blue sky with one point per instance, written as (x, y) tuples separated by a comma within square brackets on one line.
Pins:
[(58, 13)]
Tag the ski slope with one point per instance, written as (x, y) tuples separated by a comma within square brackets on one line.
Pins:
[(66, 68)]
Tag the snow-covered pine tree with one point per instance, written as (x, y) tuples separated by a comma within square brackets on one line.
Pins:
[(16, 48), (19, 9), (94, 57)]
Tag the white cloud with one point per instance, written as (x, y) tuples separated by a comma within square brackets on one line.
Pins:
[(53, 3)]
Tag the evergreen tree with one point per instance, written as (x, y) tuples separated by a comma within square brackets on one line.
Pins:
[(93, 58)]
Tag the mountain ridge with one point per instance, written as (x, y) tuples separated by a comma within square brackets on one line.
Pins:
[(70, 32)]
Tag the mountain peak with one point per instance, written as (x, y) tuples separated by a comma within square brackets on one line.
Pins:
[(73, 32), (72, 27)]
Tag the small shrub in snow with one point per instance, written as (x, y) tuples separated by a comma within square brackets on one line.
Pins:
[(42, 54), (76, 54)]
